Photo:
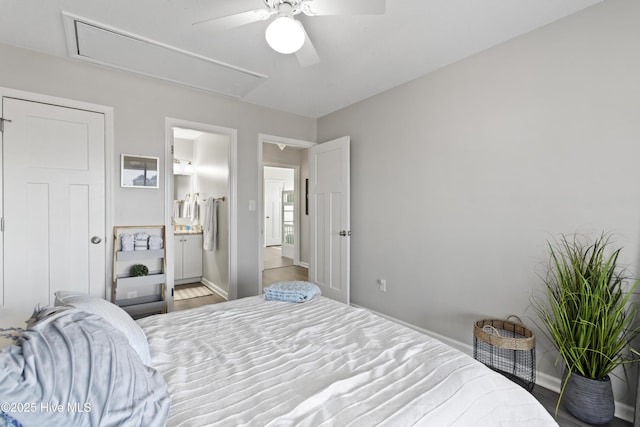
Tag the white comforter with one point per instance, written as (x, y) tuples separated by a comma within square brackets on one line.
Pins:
[(322, 363)]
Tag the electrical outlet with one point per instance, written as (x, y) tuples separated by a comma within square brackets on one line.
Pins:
[(132, 294), (382, 285)]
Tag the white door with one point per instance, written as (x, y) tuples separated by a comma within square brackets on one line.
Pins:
[(54, 202), (329, 215), (273, 212)]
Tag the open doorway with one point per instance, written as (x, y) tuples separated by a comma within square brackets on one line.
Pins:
[(284, 238), (201, 239), (280, 220), (201, 220), (281, 226)]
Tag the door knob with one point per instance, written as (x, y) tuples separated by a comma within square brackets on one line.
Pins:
[(95, 240)]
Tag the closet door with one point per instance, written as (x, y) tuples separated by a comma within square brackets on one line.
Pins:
[(54, 202)]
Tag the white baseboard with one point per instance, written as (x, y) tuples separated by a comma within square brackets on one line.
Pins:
[(303, 264), (623, 410), (215, 288)]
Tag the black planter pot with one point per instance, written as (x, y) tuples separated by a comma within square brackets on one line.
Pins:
[(589, 400)]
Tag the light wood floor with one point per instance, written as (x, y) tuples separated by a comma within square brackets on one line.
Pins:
[(269, 277), (273, 258), (284, 274), (280, 269), (196, 302)]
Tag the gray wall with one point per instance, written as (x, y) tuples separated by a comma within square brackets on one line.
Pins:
[(140, 107), (211, 161), (460, 177)]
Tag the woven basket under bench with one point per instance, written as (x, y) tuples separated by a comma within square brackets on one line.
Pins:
[(508, 348)]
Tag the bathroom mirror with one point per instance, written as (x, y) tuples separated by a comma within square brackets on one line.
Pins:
[(139, 171)]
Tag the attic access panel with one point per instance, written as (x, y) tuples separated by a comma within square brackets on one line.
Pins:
[(98, 43)]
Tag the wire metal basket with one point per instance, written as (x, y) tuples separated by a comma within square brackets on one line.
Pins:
[(508, 348)]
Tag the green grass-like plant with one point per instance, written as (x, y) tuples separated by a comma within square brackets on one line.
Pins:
[(588, 311)]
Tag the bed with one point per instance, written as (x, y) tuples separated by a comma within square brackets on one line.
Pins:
[(253, 362), (322, 363)]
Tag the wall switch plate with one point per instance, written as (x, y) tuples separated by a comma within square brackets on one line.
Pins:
[(382, 285), (252, 205)]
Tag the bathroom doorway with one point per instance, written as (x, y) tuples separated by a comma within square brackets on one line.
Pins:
[(202, 227)]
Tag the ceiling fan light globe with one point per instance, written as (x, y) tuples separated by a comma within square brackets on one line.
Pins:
[(285, 35)]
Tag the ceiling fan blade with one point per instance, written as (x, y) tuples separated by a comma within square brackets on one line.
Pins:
[(344, 7), (307, 55), (236, 20)]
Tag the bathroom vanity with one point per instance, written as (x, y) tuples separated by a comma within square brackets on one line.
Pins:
[(187, 256)]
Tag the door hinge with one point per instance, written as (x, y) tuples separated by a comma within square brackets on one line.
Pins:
[(2, 224), (172, 149), (2, 123)]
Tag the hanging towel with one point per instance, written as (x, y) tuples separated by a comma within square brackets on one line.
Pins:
[(193, 209), (177, 208), (210, 225), (186, 205)]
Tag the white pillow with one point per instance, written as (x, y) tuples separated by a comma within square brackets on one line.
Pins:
[(112, 314)]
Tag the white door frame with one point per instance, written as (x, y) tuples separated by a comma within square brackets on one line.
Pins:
[(108, 172), (170, 123), (262, 138)]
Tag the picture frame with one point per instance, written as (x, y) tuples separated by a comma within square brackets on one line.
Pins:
[(139, 171)]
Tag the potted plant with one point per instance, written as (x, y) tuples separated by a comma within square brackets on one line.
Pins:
[(589, 316), (138, 270)]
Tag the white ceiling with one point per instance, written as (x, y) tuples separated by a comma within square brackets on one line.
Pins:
[(360, 56)]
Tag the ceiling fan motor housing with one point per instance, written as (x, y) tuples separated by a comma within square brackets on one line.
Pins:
[(290, 7)]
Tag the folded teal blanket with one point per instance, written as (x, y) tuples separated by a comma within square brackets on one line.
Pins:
[(291, 291)]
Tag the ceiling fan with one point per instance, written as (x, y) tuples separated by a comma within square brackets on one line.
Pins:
[(286, 34)]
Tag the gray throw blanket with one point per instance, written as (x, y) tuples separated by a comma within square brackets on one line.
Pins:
[(74, 369)]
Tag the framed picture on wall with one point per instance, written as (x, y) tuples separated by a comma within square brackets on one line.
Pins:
[(139, 171)]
